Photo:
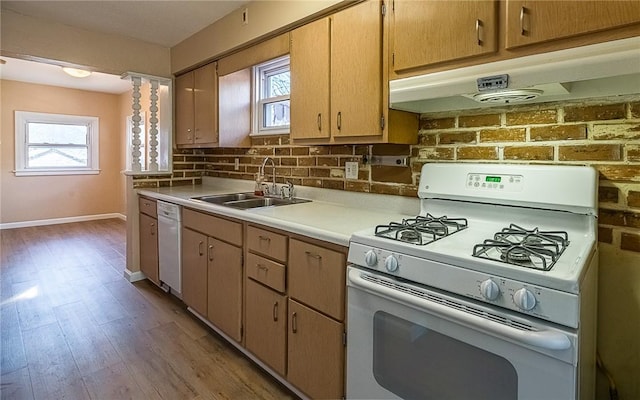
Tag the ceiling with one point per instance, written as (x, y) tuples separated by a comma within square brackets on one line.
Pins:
[(164, 23)]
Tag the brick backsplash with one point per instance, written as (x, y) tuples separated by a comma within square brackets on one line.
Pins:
[(604, 134)]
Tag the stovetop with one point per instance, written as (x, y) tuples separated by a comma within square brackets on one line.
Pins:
[(556, 244)]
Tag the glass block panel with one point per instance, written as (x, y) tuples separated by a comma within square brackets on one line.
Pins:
[(57, 157), (276, 114), (57, 133)]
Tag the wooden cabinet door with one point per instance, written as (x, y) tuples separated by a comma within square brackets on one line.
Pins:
[(194, 270), (266, 325), (205, 104), (535, 21), (356, 71), (149, 247), (432, 31), (309, 63), (315, 354), (317, 277), (184, 109), (224, 285)]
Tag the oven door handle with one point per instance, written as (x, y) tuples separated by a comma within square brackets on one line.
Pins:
[(546, 339)]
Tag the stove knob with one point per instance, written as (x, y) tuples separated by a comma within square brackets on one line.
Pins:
[(489, 290), (524, 299), (371, 258), (391, 263)]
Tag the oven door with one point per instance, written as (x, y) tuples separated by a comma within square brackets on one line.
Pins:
[(411, 342)]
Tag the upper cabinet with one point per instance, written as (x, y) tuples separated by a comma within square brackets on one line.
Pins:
[(338, 81), (197, 107), (433, 35), (538, 21), (432, 31)]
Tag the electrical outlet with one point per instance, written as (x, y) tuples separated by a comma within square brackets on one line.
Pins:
[(351, 170), (236, 165)]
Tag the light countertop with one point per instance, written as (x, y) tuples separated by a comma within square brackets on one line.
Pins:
[(332, 215)]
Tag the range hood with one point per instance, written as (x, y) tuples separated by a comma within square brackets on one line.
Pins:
[(599, 70)]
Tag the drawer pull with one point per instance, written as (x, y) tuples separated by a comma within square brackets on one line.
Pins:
[(267, 238), (313, 255), (210, 252), (275, 311), (262, 267), (294, 322)]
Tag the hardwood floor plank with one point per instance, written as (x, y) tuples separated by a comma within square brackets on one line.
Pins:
[(151, 371), (54, 373), (34, 308), (11, 345), (145, 314), (101, 304), (91, 349), (115, 382), (16, 385)]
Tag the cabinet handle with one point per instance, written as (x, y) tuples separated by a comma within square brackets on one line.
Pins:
[(478, 26), (153, 231), (262, 267), (275, 312), (210, 252), (267, 238), (294, 322), (523, 11), (319, 121), (339, 120), (313, 255), (200, 252)]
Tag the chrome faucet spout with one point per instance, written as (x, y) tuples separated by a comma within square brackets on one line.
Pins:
[(274, 188)]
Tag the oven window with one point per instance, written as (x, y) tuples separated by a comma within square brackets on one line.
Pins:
[(415, 362)]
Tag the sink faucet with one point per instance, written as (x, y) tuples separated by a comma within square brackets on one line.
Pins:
[(274, 188)]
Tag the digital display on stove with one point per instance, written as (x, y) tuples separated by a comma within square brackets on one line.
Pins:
[(496, 179)]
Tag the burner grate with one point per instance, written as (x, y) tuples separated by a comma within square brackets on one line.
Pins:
[(421, 230), (529, 248)]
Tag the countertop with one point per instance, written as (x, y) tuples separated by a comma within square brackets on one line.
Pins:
[(332, 215)]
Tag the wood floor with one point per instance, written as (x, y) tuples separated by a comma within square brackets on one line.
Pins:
[(74, 328)]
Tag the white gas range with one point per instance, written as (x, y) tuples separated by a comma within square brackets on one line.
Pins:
[(499, 267)]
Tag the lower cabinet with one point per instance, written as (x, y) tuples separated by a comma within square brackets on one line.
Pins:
[(194, 270), (266, 325), (149, 247), (315, 353), (224, 283)]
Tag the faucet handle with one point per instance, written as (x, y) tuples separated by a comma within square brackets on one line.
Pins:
[(288, 189)]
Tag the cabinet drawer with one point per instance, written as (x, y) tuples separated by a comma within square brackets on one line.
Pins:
[(317, 277), (270, 244), (266, 271), (216, 227), (147, 206)]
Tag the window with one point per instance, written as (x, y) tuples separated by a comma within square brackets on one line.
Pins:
[(56, 144), (271, 106)]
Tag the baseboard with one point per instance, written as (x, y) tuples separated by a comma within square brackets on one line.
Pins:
[(133, 276), (56, 221)]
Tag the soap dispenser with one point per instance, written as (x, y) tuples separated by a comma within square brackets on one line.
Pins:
[(259, 190)]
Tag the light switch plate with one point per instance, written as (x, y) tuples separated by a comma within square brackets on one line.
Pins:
[(351, 170)]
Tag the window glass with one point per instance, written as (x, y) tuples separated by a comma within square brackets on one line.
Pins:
[(271, 106), (55, 144)]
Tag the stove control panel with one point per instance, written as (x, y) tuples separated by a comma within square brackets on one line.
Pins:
[(510, 294), (498, 182)]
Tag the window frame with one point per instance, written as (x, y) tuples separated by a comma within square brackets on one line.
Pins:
[(23, 118), (260, 74)]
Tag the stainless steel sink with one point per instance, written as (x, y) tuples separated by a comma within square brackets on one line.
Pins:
[(248, 200), (223, 198), (263, 202)]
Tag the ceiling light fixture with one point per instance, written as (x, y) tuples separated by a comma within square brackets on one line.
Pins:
[(76, 73)]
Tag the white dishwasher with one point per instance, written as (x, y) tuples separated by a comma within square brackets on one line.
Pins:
[(169, 244)]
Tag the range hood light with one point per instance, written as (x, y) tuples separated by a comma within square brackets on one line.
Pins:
[(508, 96)]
